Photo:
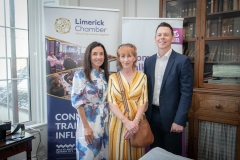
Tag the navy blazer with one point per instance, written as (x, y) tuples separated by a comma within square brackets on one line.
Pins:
[(176, 90)]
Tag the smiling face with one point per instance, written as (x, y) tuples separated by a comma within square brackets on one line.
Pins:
[(127, 60), (164, 38), (97, 57)]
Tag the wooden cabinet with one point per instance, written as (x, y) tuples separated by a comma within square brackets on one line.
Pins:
[(211, 39)]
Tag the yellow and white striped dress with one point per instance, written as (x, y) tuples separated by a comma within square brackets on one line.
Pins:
[(136, 95)]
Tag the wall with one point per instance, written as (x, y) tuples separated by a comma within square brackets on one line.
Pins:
[(128, 8)]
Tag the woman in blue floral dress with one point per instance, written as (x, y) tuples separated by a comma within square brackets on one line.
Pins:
[(88, 96)]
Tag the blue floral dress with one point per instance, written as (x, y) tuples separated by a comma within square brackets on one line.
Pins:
[(93, 98)]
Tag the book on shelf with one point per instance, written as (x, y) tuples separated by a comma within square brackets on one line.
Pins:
[(230, 27), (236, 26), (183, 10), (212, 53), (229, 81), (208, 6), (208, 56), (186, 32), (206, 52), (194, 9), (235, 5), (180, 11), (184, 48), (208, 22), (191, 30), (230, 53), (187, 51), (219, 28), (219, 52), (190, 8), (213, 28), (212, 6), (215, 9), (230, 5), (220, 5), (186, 10), (225, 27), (225, 52), (225, 5), (192, 54), (236, 54), (226, 70), (221, 56)]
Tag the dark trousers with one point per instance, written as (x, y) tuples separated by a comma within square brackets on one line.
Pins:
[(170, 141)]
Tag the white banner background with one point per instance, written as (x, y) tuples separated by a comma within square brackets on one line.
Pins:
[(141, 32), (74, 29), (109, 17)]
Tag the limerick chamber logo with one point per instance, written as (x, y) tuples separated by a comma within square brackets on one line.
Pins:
[(62, 25)]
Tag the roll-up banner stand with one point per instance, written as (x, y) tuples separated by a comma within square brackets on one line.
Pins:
[(141, 32), (68, 31)]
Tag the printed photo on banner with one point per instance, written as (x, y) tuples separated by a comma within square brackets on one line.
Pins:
[(68, 31), (62, 55)]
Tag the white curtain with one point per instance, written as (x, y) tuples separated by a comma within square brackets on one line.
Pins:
[(216, 141)]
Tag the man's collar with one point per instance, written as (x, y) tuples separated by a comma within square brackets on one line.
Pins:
[(166, 54)]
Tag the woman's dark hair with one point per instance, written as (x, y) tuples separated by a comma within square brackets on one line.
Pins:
[(87, 65), (165, 24)]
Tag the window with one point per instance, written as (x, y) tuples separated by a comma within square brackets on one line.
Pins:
[(22, 67), (14, 61)]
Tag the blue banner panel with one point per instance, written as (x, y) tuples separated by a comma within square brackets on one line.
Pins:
[(61, 128)]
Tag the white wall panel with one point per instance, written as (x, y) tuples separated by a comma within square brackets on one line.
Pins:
[(148, 8)]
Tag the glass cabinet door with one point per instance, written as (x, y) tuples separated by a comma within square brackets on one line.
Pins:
[(184, 9), (222, 44)]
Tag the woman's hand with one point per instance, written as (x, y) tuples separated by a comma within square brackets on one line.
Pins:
[(132, 128), (88, 133), (128, 135)]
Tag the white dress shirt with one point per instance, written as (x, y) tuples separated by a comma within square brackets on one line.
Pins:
[(160, 67)]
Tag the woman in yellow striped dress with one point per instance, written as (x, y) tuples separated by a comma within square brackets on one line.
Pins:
[(124, 125)]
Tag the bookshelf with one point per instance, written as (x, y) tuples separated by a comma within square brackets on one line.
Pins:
[(211, 39)]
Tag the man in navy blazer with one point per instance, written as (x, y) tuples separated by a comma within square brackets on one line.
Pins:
[(170, 88)]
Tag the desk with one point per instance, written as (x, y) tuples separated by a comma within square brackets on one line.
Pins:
[(10, 147)]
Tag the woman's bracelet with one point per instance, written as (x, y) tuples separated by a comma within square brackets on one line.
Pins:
[(122, 118), (137, 119)]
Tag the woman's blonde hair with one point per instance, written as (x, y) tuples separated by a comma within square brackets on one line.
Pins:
[(127, 48)]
